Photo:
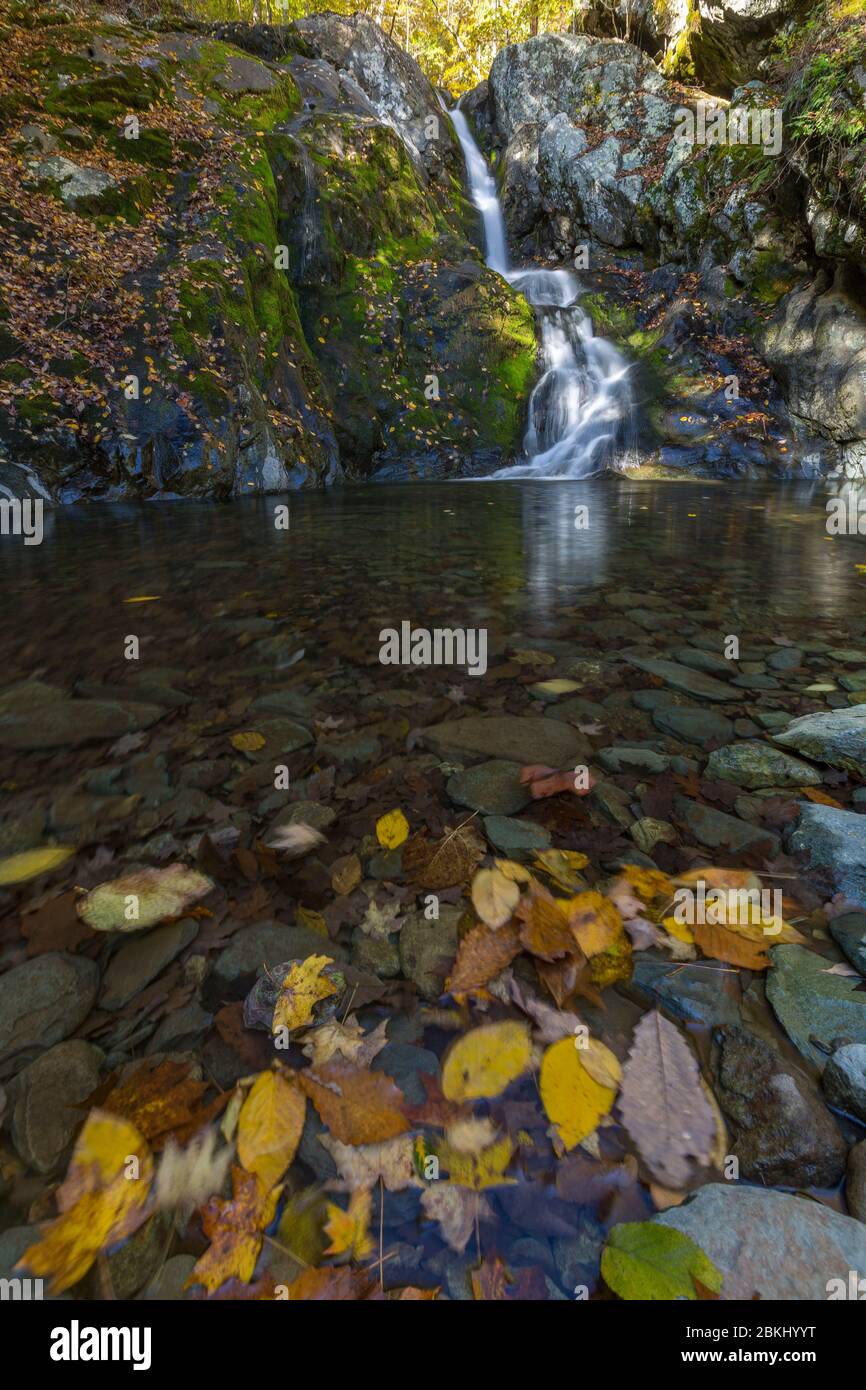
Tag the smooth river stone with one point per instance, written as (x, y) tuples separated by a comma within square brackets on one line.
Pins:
[(513, 737), (685, 678)]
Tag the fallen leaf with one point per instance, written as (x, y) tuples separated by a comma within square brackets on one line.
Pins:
[(643, 1260), (270, 1126), (143, 899), (392, 829), (663, 1105), (485, 1060), (494, 897), (17, 868), (349, 1230), (234, 1226), (302, 988), (574, 1101), (357, 1106)]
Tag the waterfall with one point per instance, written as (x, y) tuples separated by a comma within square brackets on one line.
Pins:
[(581, 411)]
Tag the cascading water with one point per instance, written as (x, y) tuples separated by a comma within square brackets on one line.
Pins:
[(581, 412)]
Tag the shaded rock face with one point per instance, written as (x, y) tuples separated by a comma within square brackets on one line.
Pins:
[(816, 345), (266, 268), (784, 1132), (595, 156)]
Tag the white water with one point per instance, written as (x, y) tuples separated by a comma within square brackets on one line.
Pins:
[(581, 410)]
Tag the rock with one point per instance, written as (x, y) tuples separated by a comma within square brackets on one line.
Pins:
[(648, 832), (139, 961), (181, 1030), (427, 949), (818, 1011), (686, 679), (718, 830), (689, 992), (44, 1121), (786, 659), (168, 1284), (690, 724), (80, 188), (43, 1001), (855, 1184), (245, 75), (304, 813), (756, 764), (405, 1065), (512, 737), (849, 933), (578, 1257), (493, 787), (784, 1133), (705, 661), (510, 835), (815, 344), (380, 958), (266, 942), (835, 841), (844, 1080), (770, 1244), (61, 723), (134, 1263), (622, 758), (837, 737)]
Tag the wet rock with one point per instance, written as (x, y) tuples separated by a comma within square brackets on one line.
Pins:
[(718, 830), (139, 961), (837, 738), (690, 724), (623, 758), (844, 1080), (511, 737), (137, 1261), (181, 1030), (706, 661), (427, 949), (648, 832), (849, 933), (312, 1152), (756, 764), (835, 841), (688, 992), (784, 1134), (786, 659), (381, 958), (42, 1002), (253, 947), (168, 1283), (304, 813), (653, 698), (61, 723), (855, 1184), (686, 679), (44, 1122), (818, 1011), (405, 1065), (772, 1244), (493, 787), (578, 1257), (510, 835)]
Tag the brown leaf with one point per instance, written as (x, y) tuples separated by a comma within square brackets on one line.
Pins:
[(482, 954), (346, 874), (339, 1283), (720, 943), (163, 1100), (545, 929), (357, 1106), (449, 861), (663, 1105)]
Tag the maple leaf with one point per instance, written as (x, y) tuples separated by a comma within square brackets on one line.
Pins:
[(457, 1209), (363, 1165), (379, 922), (163, 1100), (302, 988), (234, 1227), (346, 1041)]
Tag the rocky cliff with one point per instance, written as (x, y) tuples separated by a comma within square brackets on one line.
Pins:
[(725, 236), (238, 259)]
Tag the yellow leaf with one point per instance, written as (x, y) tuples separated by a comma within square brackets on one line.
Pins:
[(102, 1200), (248, 741), (270, 1126), (301, 990), (349, 1230), (144, 598), (681, 930), (19, 867), (392, 829), (486, 1060), (572, 1098), (563, 866), (494, 897), (479, 1170), (512, 870)]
